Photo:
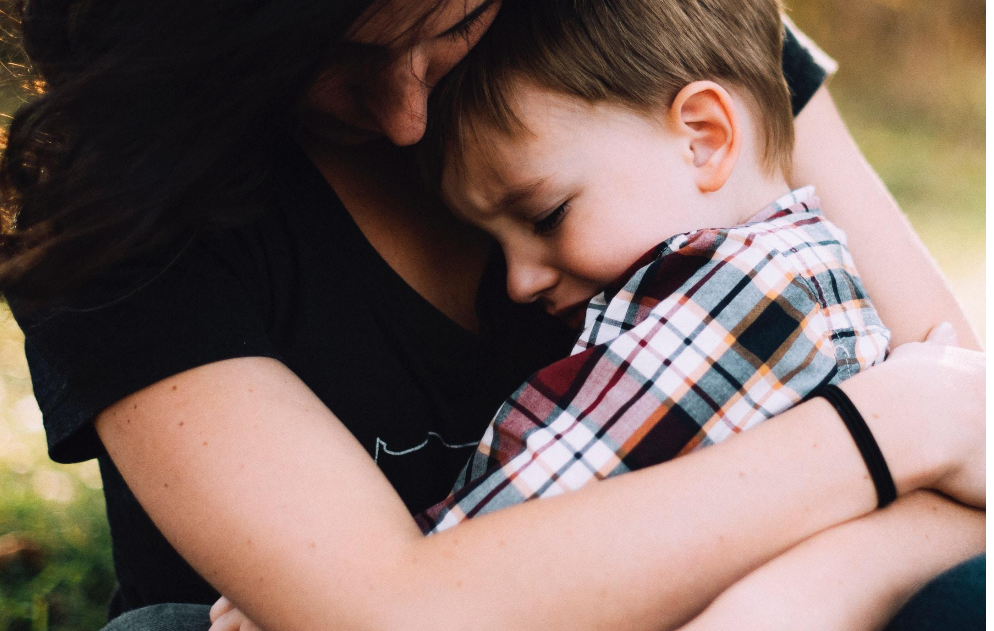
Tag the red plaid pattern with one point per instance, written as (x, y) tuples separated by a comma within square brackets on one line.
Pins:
[(710, 333)]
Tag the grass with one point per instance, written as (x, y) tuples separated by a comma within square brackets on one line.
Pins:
[(920, 122)]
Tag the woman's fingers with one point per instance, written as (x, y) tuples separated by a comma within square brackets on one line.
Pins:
[(943, 333), (221, 607), (232, 620)]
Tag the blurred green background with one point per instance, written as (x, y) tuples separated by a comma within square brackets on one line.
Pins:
[(911, 85)]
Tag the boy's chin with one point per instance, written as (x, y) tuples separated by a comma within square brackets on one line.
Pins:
[(575, 317)]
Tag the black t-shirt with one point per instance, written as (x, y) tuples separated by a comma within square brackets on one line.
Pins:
[(300, 284)]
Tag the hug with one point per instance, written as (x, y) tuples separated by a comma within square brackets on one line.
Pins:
[(599, 295)]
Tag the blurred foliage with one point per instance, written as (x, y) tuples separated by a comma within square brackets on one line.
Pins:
[(911, 87), (55, 563)]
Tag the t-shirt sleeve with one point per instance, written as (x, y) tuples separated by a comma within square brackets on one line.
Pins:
[(142, 322), (805, 66)]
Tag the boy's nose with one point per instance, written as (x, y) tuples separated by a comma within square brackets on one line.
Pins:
[(528, 281)]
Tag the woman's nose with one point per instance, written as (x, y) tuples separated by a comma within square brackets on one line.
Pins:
[(527, 281), (401, 108)]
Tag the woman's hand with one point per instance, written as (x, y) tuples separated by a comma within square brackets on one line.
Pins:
[(958, 377), (935, 392), (226, 617)]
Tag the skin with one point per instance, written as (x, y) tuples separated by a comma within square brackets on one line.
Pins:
[(844, 578), (576, 199), (382, 88), (210, 432)]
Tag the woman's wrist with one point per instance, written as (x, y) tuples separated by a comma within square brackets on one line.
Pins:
[(878, 395), (865, 442)]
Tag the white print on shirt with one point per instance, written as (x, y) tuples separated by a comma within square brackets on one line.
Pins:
[(381, 445)]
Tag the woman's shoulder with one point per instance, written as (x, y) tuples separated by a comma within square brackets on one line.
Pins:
[(805, 65)]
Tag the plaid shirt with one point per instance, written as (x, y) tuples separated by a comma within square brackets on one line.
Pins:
[(710, 333)]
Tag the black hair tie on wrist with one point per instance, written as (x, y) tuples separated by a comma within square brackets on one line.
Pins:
[(882, 480)]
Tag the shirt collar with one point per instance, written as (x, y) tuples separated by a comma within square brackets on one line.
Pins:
[(799, 200)]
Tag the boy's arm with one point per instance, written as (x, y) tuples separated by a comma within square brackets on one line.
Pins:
[(903, 281), (853, 576)]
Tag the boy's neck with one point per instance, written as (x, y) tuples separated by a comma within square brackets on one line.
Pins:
[(748, 190)]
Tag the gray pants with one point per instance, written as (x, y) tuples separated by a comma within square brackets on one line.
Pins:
[(167, 617), (955, 600)]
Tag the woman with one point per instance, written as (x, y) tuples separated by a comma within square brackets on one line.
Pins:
[(209, 365)]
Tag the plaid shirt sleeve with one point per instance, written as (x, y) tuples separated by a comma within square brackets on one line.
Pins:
[(714, 332)]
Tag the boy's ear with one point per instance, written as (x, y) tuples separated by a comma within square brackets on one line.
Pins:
[(703, 114)]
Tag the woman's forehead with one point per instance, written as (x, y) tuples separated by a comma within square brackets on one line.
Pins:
[(387, 22)]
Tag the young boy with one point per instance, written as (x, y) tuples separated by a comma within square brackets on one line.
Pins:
[(625, 156)]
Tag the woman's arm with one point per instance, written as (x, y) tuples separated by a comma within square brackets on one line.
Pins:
[(904, 282), (273, 501), (854, 576)]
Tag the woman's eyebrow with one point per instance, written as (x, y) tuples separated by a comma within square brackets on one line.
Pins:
[(468, 18)]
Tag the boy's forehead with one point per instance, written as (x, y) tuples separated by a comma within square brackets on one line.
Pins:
[(477, 178), (496, 159)]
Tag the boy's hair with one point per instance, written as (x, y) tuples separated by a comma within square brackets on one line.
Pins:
[(637, 53)]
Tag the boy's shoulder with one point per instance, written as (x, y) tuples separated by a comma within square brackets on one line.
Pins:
[(791, 224), (793, 227), (780, 249)]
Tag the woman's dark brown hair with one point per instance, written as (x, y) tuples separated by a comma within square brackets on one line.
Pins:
[(156, 120)]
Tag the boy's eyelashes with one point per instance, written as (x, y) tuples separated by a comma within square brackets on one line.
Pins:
[(548, 222)]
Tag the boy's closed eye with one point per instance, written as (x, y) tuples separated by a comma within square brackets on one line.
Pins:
[(547, 222)]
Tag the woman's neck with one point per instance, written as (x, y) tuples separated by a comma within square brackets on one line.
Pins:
[(438, 256)]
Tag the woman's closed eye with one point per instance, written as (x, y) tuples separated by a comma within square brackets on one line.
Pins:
[(474, 25), (551, 220)]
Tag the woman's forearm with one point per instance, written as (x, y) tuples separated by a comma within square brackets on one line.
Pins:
[(906, 285), (272, 500), (651, 548), (655, 546), (855, 576)]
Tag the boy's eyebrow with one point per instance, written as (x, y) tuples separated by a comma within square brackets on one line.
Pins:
[(514, 195), (469, 17)]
